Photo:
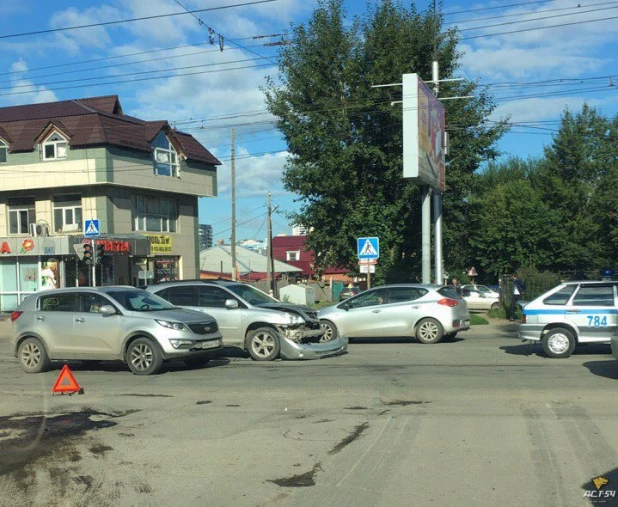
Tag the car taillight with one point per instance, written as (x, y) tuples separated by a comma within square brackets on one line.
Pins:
[(15, 316), (448, 302)]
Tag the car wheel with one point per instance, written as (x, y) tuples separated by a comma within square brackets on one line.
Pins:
[(330, 331), (429, 331), (143, 357), (448, 337), (495, 306), (263, 344), (196, 361), (559, 343), (33, 356)]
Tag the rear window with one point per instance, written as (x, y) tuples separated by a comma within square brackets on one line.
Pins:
[(448, 293), (561, 297), (594, 296), (58, 303), (403, 294)]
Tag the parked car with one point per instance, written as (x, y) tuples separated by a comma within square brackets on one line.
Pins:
[(569, 314), (428, 312), (483, 289), (110, 323), (251, 320), (477, 300), (348, 292)]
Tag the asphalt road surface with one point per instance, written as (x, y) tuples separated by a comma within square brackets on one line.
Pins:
[(483, 421)]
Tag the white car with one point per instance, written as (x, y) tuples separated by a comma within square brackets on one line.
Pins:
[(478, 300)]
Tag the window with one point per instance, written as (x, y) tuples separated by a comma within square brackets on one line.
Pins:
[(55, 147), (67, 213), (181, 296), (155, 214), (561, 297), (402, 294), (165, 157), (213, 297), (4, 152), (373, 298), (58, 303), (594, 296), (292, 256), (92, 303), (21, 215)]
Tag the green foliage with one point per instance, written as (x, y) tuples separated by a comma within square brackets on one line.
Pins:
[(498, 313), (477, 320), (345, 138)]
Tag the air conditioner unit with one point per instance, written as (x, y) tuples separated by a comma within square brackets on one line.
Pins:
[(39, 230)]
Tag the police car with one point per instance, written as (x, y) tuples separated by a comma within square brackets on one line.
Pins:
[(569, 314)]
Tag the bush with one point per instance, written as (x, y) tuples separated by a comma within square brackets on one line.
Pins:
[(498, 313), (477, 320)]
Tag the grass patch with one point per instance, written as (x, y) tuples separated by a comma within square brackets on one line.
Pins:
[(477, 320)]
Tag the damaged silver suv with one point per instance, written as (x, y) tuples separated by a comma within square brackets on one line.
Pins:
[(252, 320)]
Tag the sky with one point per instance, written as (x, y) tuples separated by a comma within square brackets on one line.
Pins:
[(166, 68)]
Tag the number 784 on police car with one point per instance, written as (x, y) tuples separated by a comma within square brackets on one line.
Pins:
[(597, 321)]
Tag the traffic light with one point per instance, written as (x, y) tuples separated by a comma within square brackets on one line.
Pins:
[(88, 253), (100, 251)]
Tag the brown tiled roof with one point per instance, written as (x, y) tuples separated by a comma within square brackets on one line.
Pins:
[(95, 121)]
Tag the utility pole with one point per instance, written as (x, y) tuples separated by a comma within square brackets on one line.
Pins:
[(269, 246), (233, 156), (437, 196)]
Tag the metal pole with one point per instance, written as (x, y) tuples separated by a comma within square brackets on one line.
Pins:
[(426, 234), (368, 276), (268, 245), (437, 197), (233, 156), (94, 263)]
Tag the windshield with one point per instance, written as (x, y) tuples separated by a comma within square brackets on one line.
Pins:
[(140, 301), (251, 294)]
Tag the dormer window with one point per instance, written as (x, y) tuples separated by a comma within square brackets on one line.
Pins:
[(55, 147), (4, 152), (165, 157)]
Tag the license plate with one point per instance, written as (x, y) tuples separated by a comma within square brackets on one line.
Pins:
[(212, 344)]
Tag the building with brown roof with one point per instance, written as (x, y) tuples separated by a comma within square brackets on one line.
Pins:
[(62, 163)]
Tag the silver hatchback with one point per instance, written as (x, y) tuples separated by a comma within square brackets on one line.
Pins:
[(110, 323), (428, 312)]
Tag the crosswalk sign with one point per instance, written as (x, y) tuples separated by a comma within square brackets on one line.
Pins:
[(368, 248), (91, 228)]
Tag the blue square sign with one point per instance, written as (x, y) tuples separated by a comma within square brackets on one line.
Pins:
[(368, 248), (91, 228)]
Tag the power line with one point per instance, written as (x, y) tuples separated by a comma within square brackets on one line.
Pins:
[(453, 13), (120, 21), (539, 28)]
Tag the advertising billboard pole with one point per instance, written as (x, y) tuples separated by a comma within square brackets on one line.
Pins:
[(437, 196)]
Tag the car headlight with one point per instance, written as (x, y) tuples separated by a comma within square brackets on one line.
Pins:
[(295, 319), (178, 326), (182, 344)]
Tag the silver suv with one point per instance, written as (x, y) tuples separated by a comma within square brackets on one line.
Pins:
[(110, 323), (252, 320)]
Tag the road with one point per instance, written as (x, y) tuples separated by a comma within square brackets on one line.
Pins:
[(483, 421)]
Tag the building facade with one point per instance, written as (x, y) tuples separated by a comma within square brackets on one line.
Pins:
[(67, 162), (205, 236)]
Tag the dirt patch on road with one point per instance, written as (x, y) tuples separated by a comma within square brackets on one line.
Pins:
[(300, 480), (356, 433)]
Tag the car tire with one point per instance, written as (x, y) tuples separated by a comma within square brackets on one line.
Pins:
[(144, 357), (330, 331), (448, 337), (32, 356), (429, 331), (559, 343), (263, 344), (495, 306), (196, 361)]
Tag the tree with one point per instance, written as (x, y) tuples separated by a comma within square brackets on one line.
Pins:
[(345, 138)]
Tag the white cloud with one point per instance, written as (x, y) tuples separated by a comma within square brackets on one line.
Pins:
[(24, 91)]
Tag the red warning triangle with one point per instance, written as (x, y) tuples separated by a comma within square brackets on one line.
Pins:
[(66, 383)]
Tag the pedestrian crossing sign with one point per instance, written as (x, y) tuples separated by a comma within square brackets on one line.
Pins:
[(91, 228), (368, 248)]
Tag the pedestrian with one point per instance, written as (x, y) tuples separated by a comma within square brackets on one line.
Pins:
[(519, 289), (455, 286)]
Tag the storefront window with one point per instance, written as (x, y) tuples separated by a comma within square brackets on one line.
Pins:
[(8, 283), (28, 274), (166, 269)]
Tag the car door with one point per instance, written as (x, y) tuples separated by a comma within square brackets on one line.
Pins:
[(96, 336), (401, 310), (364, 314), (475, 299), (211, 300), (593, 310), (54, 323)]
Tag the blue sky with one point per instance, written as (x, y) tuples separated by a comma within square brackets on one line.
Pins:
[(166, 68)]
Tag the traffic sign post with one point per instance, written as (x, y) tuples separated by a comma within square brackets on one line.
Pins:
[(368, 251), (91, 228)]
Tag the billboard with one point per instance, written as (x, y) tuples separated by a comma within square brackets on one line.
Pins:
[(423, 134)]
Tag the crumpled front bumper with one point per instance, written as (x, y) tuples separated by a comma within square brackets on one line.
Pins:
[(294, 350)]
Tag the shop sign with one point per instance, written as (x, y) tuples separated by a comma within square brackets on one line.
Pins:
[(160, 243), (114, 245), (5, 248), (34, 246)]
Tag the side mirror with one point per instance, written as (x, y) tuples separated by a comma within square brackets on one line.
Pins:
[(230, 304), (107, 310)]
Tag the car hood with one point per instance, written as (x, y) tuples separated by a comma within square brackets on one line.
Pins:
[(177, 315), (304, 311)]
